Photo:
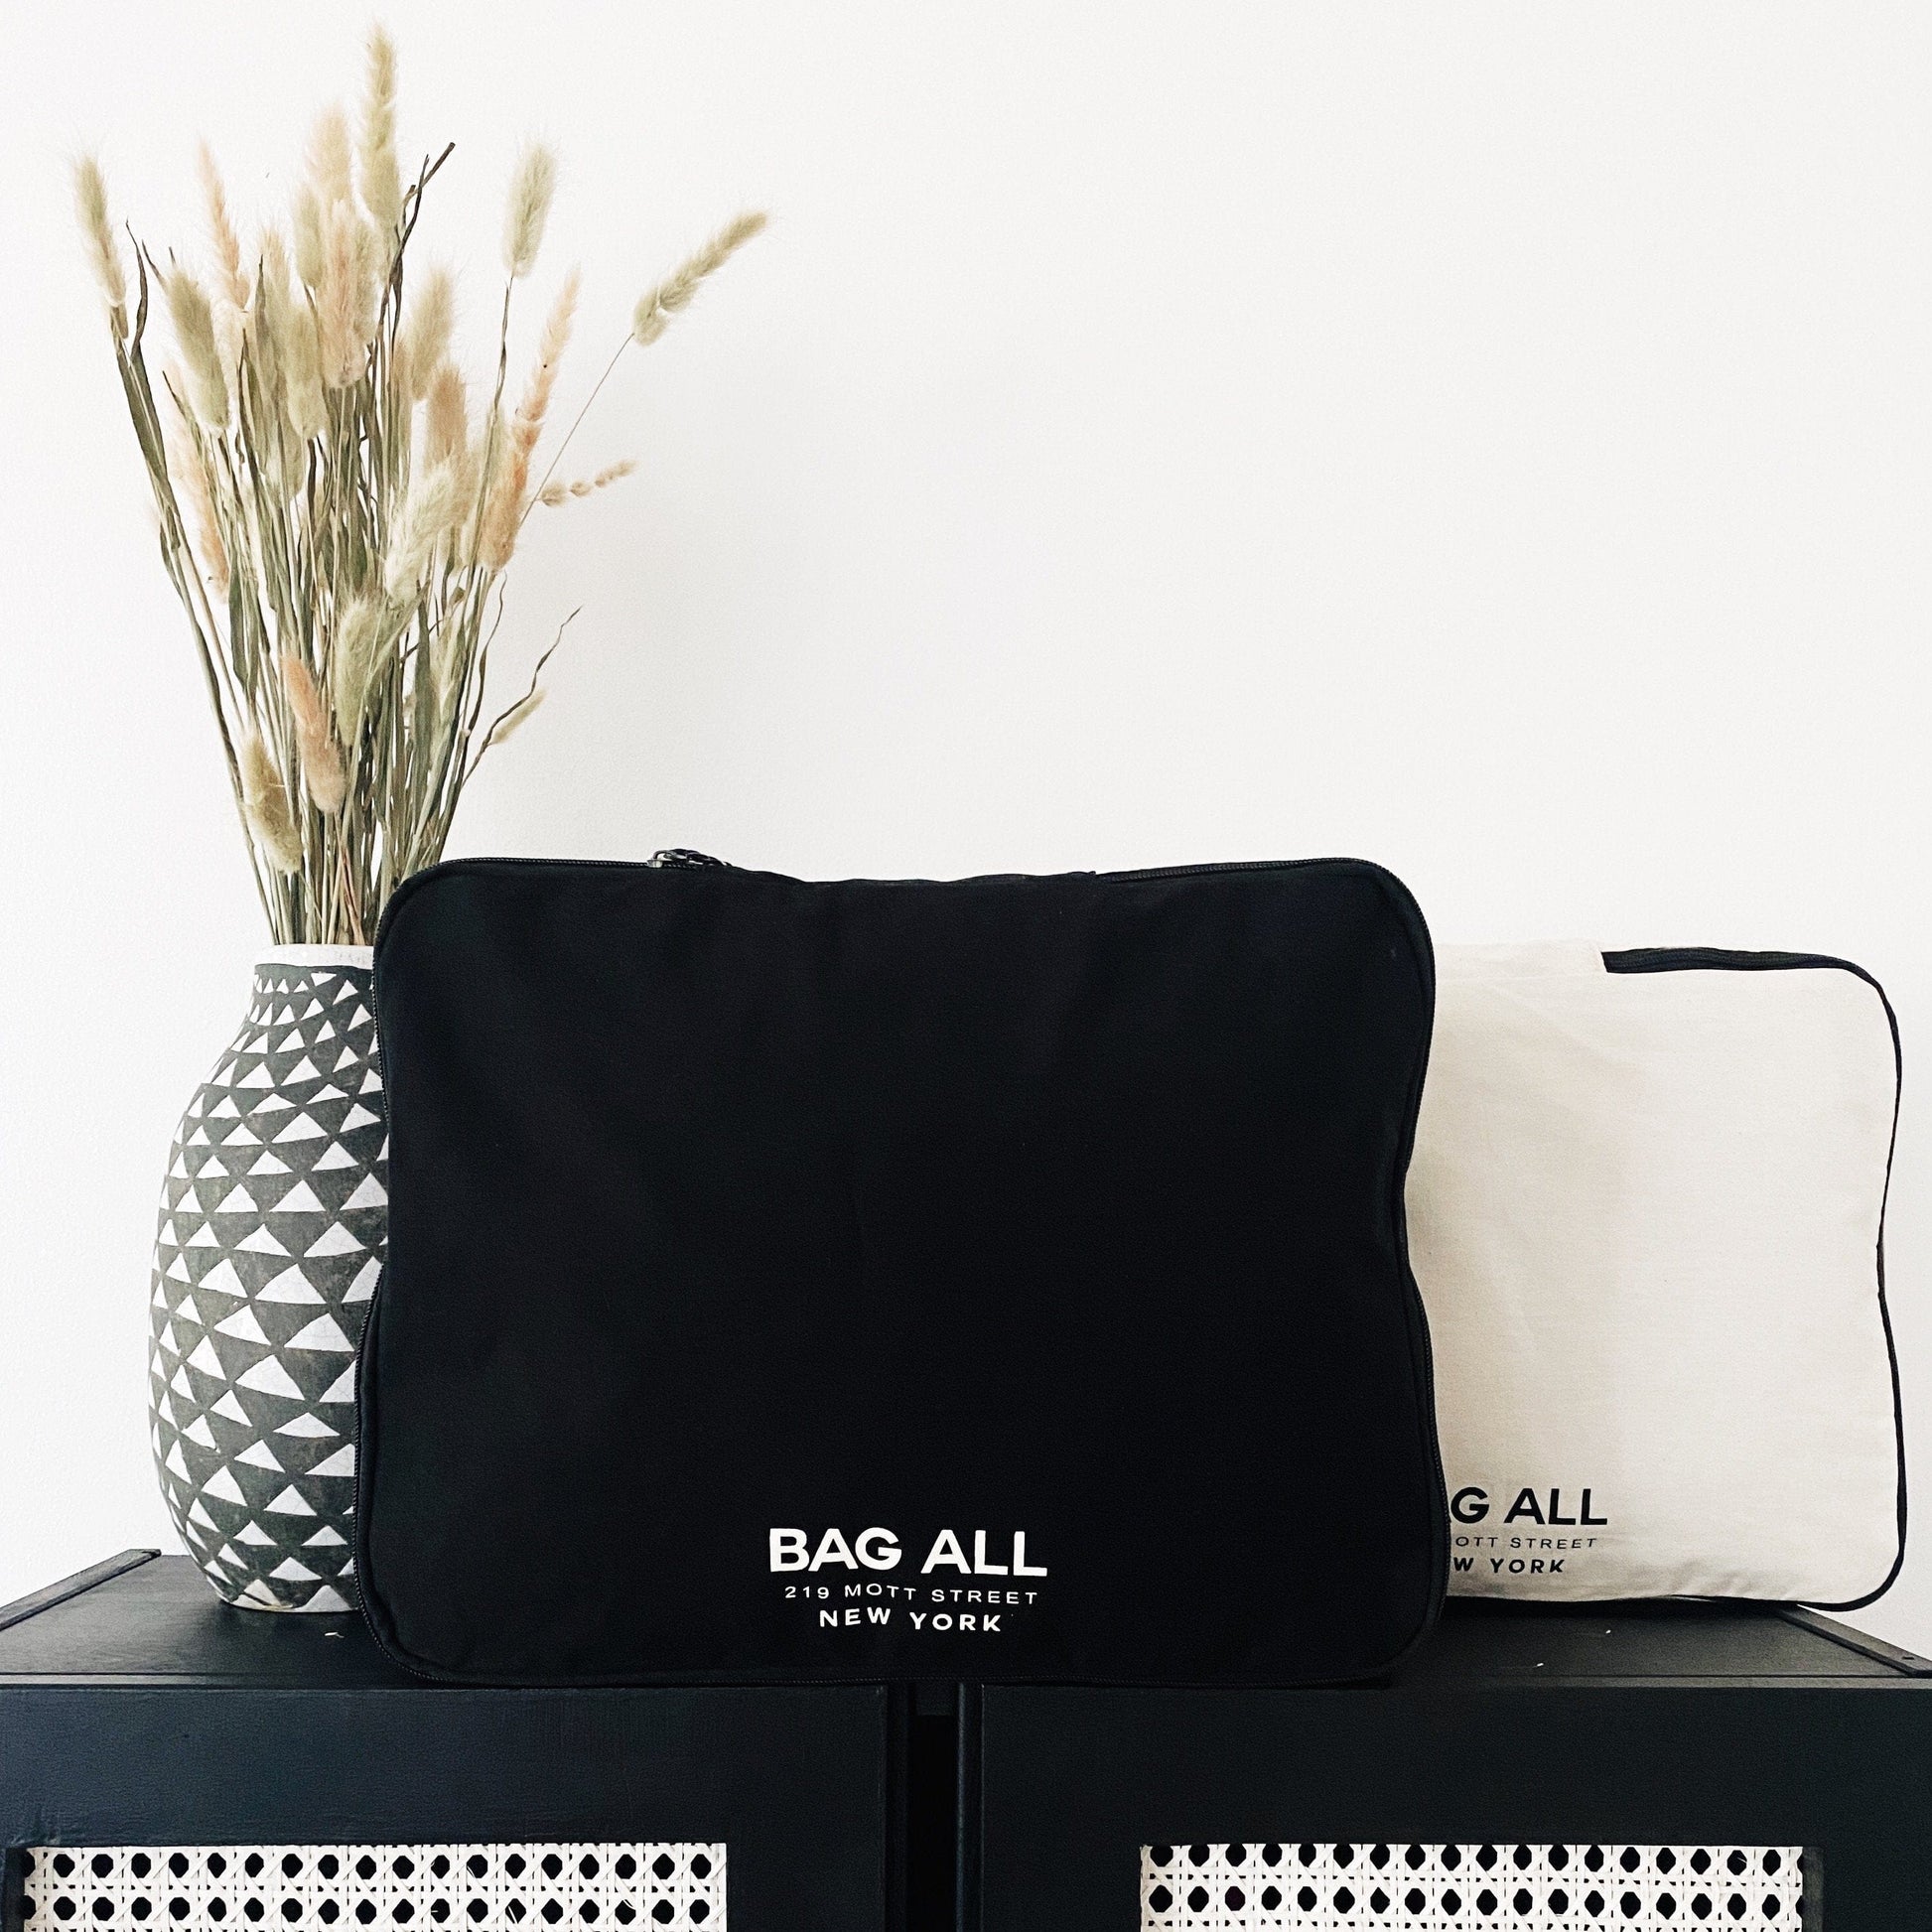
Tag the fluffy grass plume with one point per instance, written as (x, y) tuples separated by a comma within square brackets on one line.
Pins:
[(324, 775), (672, 296), (193, 319), (553, 496), (103, 251), (188, 467), (233, 278), (328, 164), (509, 722), (423, 344), (335, 517), (510, 499), (531, 189), (359, 638), (426, 519), (445, 422), (381, 179), (265, 805)]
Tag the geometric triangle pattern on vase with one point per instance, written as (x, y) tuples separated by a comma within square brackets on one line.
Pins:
[(273, 1221)]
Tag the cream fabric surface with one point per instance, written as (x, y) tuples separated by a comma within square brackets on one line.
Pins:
[(1644, 1213)]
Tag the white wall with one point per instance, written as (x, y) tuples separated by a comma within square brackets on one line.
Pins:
[(1490, 438)]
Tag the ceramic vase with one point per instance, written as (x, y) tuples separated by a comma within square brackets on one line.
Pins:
[(271, 1237)]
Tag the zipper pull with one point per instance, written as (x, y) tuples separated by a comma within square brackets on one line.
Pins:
[(679, 858)]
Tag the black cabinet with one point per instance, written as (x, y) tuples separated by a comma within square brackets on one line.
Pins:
[(166, 1761), (141, 1716), (1651, 1768)]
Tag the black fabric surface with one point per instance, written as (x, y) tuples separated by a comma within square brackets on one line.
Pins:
[(724, 1203)]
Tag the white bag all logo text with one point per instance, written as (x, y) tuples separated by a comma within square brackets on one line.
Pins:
[(878, 1549), (1516, 1550)]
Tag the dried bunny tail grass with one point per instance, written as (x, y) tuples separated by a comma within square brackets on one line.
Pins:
[(535, 403), (208, 532), (268, 321), (358, 638), (335, 546), (189, 473), (465, 498), (673, 295), (307, 407), (553, 495), (345, 303), (423, 344), (445, 422), (531, 189), (502, 514), (282, 353), (328, 166), (425, 521), (221, 231), (231, 291), (505, 516), (380, 180), (230, 327), (374, 260), (308, 237), (265, 802), (194, 320), (451, 656), (446, 440), (324, 775), (103, 252), (508, 723), (337, 297)]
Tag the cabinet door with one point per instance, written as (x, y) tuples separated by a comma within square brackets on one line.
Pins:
[(662, 1810), (1633, 1804)]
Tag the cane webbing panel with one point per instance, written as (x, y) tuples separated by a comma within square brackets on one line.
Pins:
[(466, 1888), (1254, 1887)]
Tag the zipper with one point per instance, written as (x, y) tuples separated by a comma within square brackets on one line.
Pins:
[(679, 858)]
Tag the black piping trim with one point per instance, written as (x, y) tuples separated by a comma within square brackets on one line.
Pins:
[(1681, 959), (1421, 1343)]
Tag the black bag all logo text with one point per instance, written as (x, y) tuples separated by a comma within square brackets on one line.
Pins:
[(1521, 1554)]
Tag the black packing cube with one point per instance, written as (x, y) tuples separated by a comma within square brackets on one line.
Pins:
[(1000, 1278)]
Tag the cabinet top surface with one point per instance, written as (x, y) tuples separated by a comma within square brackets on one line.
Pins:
[(152, 1620)]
